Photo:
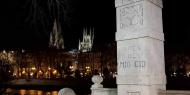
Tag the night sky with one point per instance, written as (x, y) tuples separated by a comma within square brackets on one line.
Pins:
[(176, 26), (18, 30)]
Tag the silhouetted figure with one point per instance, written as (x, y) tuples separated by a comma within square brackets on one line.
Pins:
[(108, 80), (96, 72), (77, 74), (181, 72), (106, 73)]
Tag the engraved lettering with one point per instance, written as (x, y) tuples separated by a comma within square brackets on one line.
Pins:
[(121, 64), (125, 64), (133, 52), (128, 64), (139, 63)]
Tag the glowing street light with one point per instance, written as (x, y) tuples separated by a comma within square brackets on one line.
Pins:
[(54, 72)]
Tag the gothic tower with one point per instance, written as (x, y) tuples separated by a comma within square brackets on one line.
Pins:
[(87, 41), (56, 38)]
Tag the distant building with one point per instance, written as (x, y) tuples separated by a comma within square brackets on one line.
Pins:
[(56, 38), (87, 41)]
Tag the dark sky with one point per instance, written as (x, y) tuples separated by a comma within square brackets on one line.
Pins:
[(176, 25), (18, 32)]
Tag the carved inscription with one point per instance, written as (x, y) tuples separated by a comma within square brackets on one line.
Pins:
[(131, 16), (139, 63), (133, 52), (136, 64), (133, 93), (125, 64), (133, 58)]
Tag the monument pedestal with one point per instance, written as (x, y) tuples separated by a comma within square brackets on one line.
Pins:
[(140, 48)]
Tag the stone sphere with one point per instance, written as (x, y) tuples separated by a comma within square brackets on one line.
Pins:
[(66, 91)]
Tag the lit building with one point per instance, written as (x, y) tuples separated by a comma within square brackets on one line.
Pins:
[(87, 41), (56, 63), (88, 62)]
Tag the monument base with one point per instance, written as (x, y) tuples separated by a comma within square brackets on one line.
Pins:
[(140, 89)]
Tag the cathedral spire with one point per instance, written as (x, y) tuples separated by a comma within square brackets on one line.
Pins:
[(56, 39)]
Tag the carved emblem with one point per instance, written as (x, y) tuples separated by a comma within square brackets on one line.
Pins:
[(131, 16)]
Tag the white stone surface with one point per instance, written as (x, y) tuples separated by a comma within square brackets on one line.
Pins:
[(66, 91), (104, 91), (119, 3), (141, 60), (139, 19), (140, 48), (97, 80)]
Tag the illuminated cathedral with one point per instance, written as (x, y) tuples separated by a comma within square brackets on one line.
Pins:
[(87, 41)]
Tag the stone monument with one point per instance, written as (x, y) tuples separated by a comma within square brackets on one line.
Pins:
[(140, 48)]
